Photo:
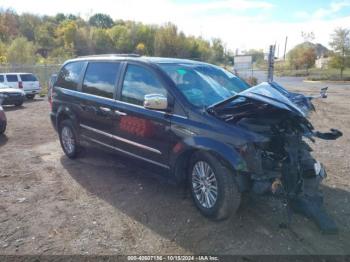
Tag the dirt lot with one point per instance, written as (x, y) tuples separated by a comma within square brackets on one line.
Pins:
[(107, 204)]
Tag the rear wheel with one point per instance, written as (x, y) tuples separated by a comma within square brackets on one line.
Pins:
[(68, 139), (213, 187), (30, 97), (2, 128)]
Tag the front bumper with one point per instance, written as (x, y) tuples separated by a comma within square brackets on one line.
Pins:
[(32, 92), (11, 100)]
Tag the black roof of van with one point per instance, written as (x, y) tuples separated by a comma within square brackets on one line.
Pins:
[(136, 57)]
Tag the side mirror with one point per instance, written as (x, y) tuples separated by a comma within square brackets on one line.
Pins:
[(156, 102), (53, 79)]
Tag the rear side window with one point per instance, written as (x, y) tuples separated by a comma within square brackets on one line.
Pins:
[(11, 78), (100, 78), (138, 82), (1, 78), (69, 75), (28, 78)]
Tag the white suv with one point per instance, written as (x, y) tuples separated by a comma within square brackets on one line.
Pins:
[(25, 81)]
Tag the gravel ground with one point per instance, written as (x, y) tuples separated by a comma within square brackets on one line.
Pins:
[(107, 204)]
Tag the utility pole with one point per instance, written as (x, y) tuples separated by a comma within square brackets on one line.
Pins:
[(285, 48), (271, 62)]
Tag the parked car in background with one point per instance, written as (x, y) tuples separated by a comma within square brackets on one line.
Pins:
[(3, 120), (25, 81), (11, 96)]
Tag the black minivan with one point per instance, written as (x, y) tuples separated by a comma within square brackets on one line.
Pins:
[(200, 122)]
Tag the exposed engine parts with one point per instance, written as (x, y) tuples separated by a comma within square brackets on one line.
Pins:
[(278, 157)]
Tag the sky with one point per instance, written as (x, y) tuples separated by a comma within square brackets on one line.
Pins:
[(241, 24)]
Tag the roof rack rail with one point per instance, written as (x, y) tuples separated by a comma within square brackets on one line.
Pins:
[(121, 55)]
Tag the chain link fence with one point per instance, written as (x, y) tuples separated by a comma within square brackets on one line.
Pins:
[(42, 72), (252, 76)]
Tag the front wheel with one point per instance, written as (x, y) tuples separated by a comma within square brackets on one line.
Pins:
[(213, 187), (30, 97), (68, 139), (19, 103)]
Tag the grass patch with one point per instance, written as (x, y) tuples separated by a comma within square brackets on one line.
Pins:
[(296, 73), (43, 92)]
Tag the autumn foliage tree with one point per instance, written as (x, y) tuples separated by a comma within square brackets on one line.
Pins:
[(9, 25), (66, 32), (28, 38), (25, 56), (302, 57), (341, 44), (101, 21)]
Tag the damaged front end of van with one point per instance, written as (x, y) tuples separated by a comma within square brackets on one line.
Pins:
[(281, 162)]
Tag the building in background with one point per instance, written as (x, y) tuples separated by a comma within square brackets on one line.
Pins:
[(243, 64), (322, 62)]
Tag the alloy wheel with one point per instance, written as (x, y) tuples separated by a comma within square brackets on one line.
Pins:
[(68, 140), (204, 184)]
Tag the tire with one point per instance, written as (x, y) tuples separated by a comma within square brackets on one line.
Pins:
[(30, 97), (19, 103), (2, 129), (228, 197), (71, 146)]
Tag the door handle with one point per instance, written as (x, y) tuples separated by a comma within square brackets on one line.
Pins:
[(105, 109), (120, 113)]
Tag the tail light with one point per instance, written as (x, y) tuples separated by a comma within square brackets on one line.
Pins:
[(20, 85)]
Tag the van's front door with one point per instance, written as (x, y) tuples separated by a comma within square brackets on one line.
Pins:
[(143, 132)]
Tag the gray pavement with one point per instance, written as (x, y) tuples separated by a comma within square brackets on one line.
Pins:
[(297, 82)]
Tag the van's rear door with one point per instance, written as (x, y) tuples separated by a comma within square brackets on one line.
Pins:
[(30, 83), (96, 102)]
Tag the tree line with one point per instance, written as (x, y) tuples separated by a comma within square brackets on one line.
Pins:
[(31, 39)]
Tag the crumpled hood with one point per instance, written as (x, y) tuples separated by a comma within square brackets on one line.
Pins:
[(274, 94)]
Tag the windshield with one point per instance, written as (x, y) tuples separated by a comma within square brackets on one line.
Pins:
[(204, 85)]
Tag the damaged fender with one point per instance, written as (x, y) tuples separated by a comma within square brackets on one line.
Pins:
[(283, 165), (224, 151)]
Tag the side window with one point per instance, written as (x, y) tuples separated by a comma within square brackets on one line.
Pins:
[(11, 78), (1, 78), (138, 82), (28, 78), (69, 75), (100, 78)]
